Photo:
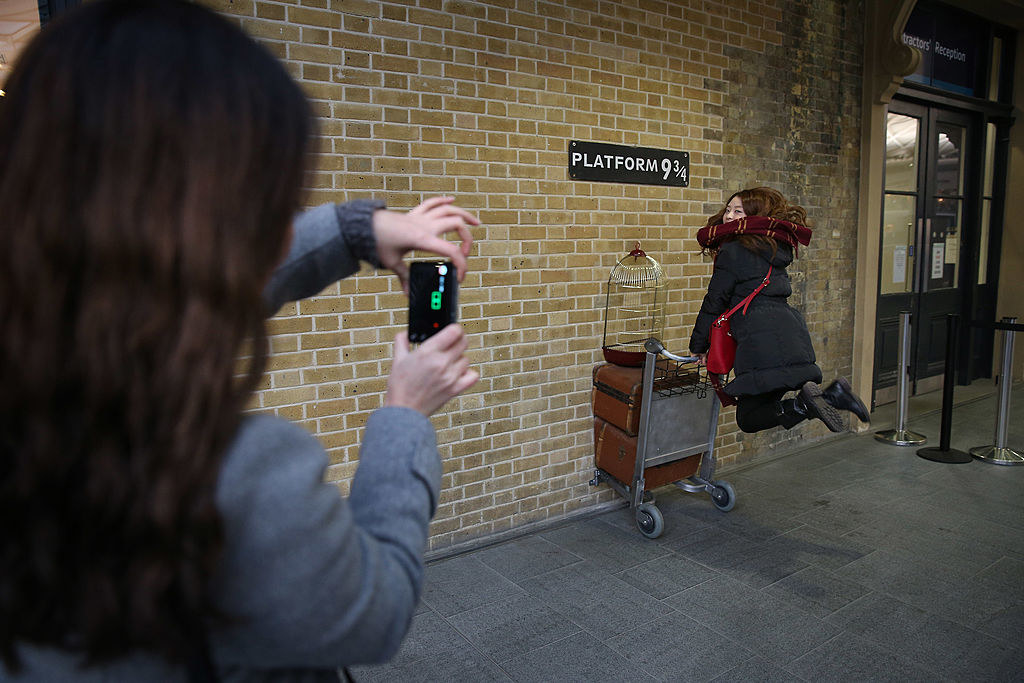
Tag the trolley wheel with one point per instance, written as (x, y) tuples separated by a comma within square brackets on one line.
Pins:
[(649, 520), (723, 496)]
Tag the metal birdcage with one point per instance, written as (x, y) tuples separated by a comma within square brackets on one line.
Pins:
[(634, 308)]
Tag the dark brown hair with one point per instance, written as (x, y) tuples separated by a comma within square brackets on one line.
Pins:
[(151, 157), (762, 201)]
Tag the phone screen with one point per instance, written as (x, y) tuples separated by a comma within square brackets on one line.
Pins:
[(433, 298)]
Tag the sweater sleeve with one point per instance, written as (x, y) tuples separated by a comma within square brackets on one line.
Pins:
[(310, 579), (716, 300), (327, 245)]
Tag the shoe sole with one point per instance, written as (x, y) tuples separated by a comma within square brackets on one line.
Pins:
[(820, 408), (858, 409)]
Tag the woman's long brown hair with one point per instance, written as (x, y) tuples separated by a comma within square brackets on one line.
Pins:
[(762, 201), (151, 157)]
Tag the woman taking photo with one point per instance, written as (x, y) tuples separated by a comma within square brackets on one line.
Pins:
[(755, 231), (151, 159)]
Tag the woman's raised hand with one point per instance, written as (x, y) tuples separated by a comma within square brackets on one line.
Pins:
[(422, 229), (427, 377)]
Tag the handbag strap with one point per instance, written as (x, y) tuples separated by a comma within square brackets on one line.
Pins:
[(745, 302), (716, 384)]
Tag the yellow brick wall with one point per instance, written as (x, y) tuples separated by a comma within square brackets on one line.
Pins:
[(479, 99)]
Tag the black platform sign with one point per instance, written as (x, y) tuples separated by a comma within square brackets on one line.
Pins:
[(621, 164)]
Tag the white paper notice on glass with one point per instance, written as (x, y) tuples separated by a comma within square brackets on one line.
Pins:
[(899, 264), (938, 259), (952, 248)]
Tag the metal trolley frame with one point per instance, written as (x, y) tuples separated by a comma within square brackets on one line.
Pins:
[(677, 421)]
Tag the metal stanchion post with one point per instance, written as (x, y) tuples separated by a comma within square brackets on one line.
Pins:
[(901, 436), (944, 453), (999, 454)]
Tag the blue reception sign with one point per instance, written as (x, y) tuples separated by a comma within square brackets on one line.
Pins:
[(953, 48), (621, 164)]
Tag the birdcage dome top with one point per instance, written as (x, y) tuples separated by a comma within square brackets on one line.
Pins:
[(637, 269)]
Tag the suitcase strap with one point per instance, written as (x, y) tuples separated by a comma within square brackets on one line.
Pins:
[(614, 393)]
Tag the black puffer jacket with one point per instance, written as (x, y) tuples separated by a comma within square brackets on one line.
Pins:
[(773, 347)]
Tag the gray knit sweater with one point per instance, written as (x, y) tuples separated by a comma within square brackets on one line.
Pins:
[(315, 581)]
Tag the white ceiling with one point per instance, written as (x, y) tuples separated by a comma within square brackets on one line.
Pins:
[(19, 21)]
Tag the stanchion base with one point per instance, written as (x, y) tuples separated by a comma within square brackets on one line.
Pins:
[(950, 456), (900, 437), (998, 456)]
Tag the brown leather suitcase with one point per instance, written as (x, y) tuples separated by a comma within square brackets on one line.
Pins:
[(617, 393), (616, 396), (615, 453)]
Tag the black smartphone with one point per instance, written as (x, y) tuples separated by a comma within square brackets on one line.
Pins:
[(433, 298)]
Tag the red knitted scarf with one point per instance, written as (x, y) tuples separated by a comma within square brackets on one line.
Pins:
[(711, 236)]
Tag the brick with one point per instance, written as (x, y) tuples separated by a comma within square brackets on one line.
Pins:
[(267, 10), (363, 8), (380, 62), (277, 397), (314, 53), (314, 17), (271, 30)]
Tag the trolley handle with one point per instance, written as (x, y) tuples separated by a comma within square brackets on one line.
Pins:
[(652, 345)]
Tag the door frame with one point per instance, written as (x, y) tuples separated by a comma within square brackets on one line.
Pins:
[(974, 344)]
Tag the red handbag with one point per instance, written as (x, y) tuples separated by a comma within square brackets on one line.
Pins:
[(722, 352)]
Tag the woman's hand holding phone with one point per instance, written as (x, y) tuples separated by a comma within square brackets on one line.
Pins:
[(427, 377)]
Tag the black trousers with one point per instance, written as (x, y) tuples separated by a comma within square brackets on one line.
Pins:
[(758, 412)]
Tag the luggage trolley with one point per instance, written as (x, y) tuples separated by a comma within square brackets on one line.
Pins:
[(677, 428)]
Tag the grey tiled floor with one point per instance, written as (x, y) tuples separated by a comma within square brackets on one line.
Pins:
[(854, 561)]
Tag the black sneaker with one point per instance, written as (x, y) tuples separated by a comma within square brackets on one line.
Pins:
[(813, 404), (840, 395)]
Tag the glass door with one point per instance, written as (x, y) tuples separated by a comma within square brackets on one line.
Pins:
[(943, 230), (922, 229)]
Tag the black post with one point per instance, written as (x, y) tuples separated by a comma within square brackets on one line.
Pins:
[(943, 453)]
